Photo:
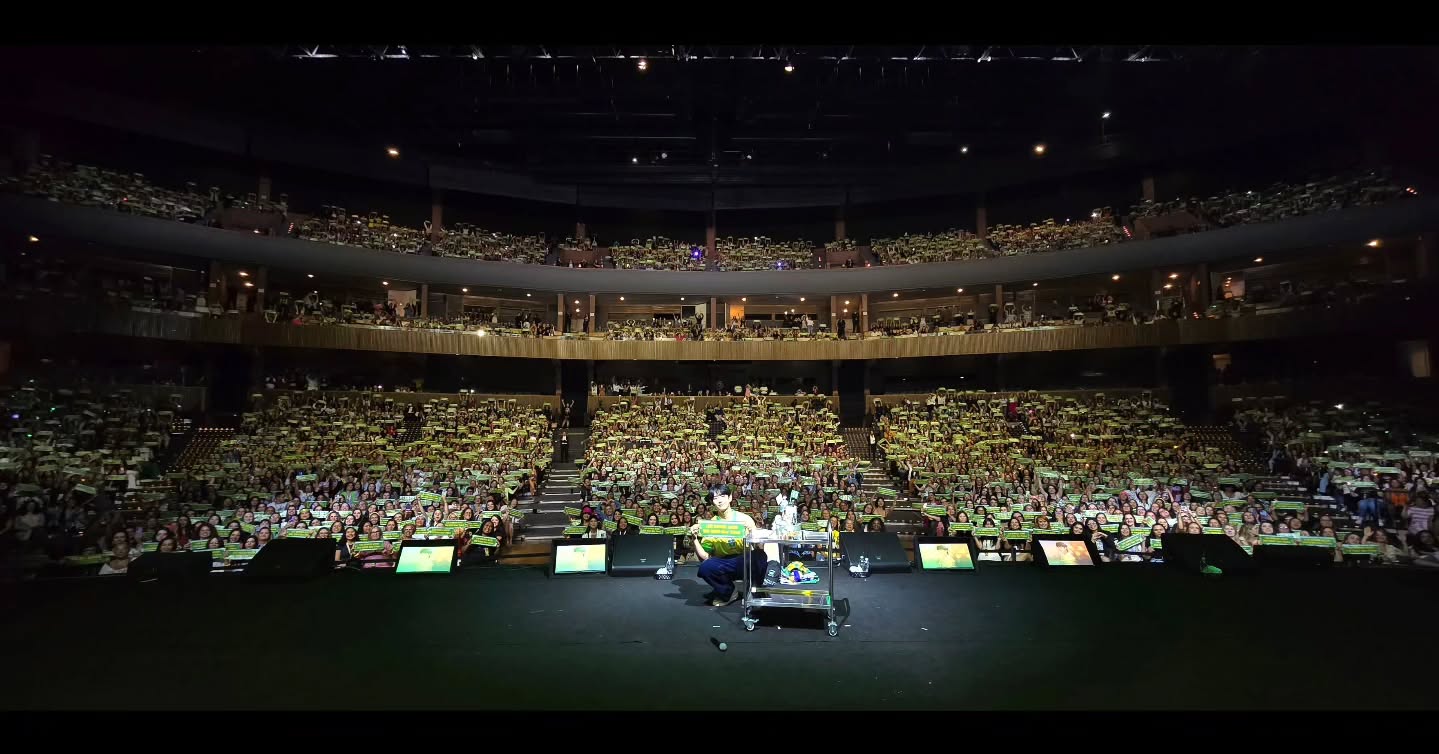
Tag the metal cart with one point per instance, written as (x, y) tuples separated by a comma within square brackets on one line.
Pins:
[(802, 596)]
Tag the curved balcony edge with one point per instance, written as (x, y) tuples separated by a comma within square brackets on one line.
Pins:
[(29, 215)]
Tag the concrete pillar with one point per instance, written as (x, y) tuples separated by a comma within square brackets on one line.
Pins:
[(437, 215), (710, 236), (1203, 295), (999, 301), (839, 227), (834, 314), (560, 314), (264, 191), (981, 222), (216, 292), (590, 329), (1147, 188), (863, 315), (1424, 255), (712, 315), (262, 281), (424, 299)]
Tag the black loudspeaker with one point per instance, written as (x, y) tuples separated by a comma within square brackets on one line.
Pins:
[(640, 554), (1292, 556), (1191, 552), (170, 566), (885, 553), (292, 560)]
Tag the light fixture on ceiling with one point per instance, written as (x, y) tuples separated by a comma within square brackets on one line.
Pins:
[(789, 67), (1259, 260), (1114, 277), (664, 155), (742, 298), (964, 149), (464, 290), (577, 302), (634, 160), (894, 295), (959, 290), (622, 298), (801, 299), (682, 298), (1094, 214), (34, 239), (527, 295), (310, 275), (1105, 115), (642, 64), (1374, 244), (1167, 286), (244, 274), (1039, 148), (249, 284), (392, 151), (1036, 285), (1173, 276), (384, 282)]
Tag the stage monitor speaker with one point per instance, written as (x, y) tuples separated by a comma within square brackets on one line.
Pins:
[(170, 566), (1191, 552), (1292, 556), (640, 554), (885, 553), (292, 560)]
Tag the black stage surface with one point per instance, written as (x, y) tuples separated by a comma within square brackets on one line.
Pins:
[(1007, 637)]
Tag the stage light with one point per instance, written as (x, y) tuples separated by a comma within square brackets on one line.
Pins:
[(1113, 277), (1039, 148), (1105, 115), (1259, 260), (789, 67), (964, 149), (34, 239), (1173, 276), (1374, 244), (643, 64), (244, 274), (393, 152)]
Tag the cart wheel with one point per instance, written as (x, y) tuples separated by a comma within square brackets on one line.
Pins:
[(749, 624), (832, 628)]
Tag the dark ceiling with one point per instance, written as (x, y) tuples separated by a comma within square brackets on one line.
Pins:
[(560, 110)]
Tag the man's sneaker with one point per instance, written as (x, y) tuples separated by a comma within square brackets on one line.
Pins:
[(723, 601)]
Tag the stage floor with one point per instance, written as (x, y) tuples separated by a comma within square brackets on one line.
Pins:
[(1007, 637)]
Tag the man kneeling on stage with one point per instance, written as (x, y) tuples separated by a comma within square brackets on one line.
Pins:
[(721, 562)]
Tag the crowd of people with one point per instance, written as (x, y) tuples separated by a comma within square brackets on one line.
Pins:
[(1281, 200), (657, 253), (366, 471), (1119, 472), (923, 248), (651, 463), (1099, 229), (762, 253)]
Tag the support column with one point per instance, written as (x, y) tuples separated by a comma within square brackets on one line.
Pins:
[(710, 236), (999, 301), (834, 379), (264, 191), (868, 366), (590, 319), (424, 299), (981, 221), (710, 318), (1424, 255), (560, 313), (262, 281), (216, 293), (559, 388), (839, 226), (1147, 187), (437, 215), (999, 372), (864, 316), (834, 314), (1203, 296)]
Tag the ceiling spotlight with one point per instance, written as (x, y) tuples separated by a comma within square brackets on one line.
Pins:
[(1113, 277), (1339, 406), (622, 298), (393, 152), (1039, 149), (527, 295), (384, 282), (464, 290), (1374, 244), (964, 149), (846, 311), (310, 276), (894, 295), (742, 298), (634, 160), (1036, 285), (1167, 286), (34, 239), (249, 284), (577, 302), (643, 64), (801, 299), (1173, 276), (749, 157), (664, 155), (1259, 260), (789, 67), (244, 274), (846, 303), (682, 298), (959, 290), (1105, 115), (1094, 214)]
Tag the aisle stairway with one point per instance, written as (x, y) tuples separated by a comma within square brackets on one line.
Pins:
[(202, 446), (545, 518)]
